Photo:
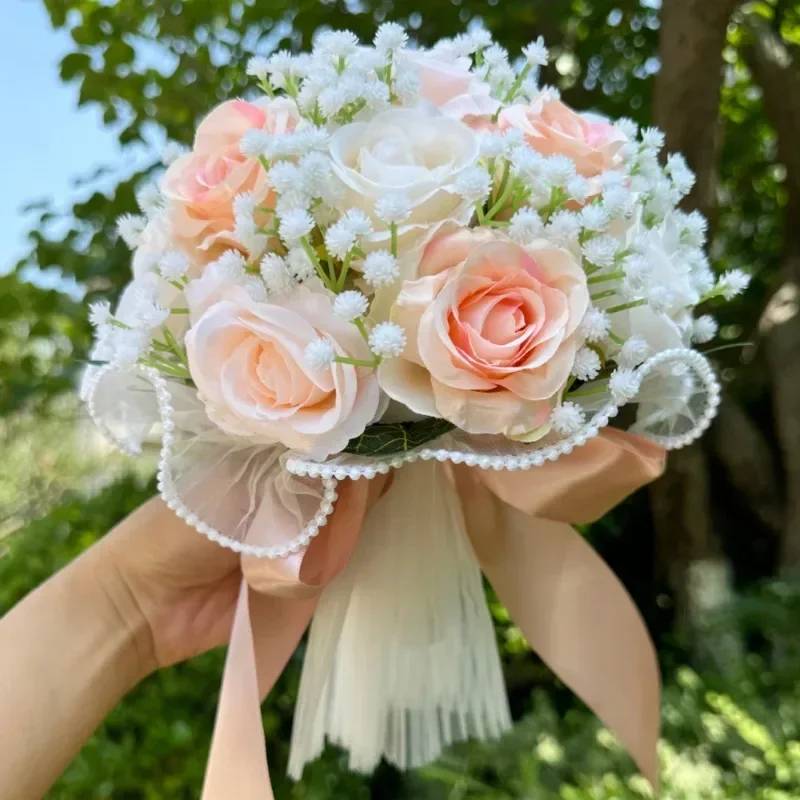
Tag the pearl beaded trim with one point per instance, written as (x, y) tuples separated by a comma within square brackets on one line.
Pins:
[(331, 473), (534, 456)]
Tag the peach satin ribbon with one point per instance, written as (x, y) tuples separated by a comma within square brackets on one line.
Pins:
[(571, 608)]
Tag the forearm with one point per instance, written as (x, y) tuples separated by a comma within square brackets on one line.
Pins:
[(68, 653)]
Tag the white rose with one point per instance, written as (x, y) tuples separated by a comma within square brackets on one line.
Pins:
[(451, 86), (409, 152)]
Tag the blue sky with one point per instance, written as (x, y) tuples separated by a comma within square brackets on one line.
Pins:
[(45, 140)]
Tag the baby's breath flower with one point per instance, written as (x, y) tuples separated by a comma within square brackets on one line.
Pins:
[(596, 325), (149, 199), (380, 268), (704, 329), (536, 53), (173, 265), (258, 67), (733, 282), (340, 239), (567, 418), (390, 38), (254, 143), (587, 364), (563, 228), (474, 184), (99, 313), (601, 250), (350, 305), (624, 385), (393, 208), (275, 274), (300, 266), (130, 228), (319, 354), (525, 226), (653, 138), (633, 352), (295, 224), (284, 176), (387, 339), (559, 170)]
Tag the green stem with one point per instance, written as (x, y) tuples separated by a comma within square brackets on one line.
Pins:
[(345, 269), (626, 306), (503, 179), (601, 295), (179, 311), (497, 223), (306, 245), (614, 338), (393, 232), (117, 324), (362, 329), (611, 276), (504, 195), (512, 92), (264, 162), (179, 286), (357, 362)]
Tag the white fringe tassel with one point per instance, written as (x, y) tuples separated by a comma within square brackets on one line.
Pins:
[(402, 659)]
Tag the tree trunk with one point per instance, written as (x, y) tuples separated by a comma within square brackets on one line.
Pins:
[(778, 76), (686, 108)]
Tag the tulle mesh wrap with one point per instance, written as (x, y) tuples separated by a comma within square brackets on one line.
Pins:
[(228, 489)]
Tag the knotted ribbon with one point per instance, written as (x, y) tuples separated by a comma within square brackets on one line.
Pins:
[(569, 605)]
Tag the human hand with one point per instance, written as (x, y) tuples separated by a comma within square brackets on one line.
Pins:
[(175, 589)]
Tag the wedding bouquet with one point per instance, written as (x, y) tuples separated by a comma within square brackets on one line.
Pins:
[(390, 257)]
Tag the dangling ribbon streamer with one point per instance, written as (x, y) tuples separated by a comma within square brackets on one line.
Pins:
[(571, 608)]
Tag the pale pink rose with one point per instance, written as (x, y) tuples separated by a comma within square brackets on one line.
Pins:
[(492, 332), (247, 361), (408, 151), (553, 128), (451, 86), (201, 186)]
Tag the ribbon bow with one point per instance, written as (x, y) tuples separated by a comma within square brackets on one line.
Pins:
[(570, 606)]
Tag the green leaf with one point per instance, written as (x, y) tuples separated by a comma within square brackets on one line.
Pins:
[(386, 439)]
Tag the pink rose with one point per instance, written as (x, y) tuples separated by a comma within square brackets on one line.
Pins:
[(553, 128), (247, 361), (451, 86), (491, 329), (201, 186)]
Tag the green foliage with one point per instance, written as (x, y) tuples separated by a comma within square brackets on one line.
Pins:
[(387, 438)]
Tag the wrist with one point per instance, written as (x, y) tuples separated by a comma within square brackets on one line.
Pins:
[(120, 611)]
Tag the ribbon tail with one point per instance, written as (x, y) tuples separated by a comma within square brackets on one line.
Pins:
[(265, 632), (581, 621)]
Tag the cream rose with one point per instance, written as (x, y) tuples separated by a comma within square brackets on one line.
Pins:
[(200, 187), (492, 332), (553, 128), (247, 361), (409, 152), (451, 86)]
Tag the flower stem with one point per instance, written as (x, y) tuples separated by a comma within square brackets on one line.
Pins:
[(323, 276), (357, 362), (179, 311), (512, 92), (393, 230), (362, 329), (345, 269), (606, 293), (626, 306), (611, 276), (614, 338)]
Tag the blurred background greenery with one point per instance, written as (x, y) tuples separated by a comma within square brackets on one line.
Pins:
[(710, 553)]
